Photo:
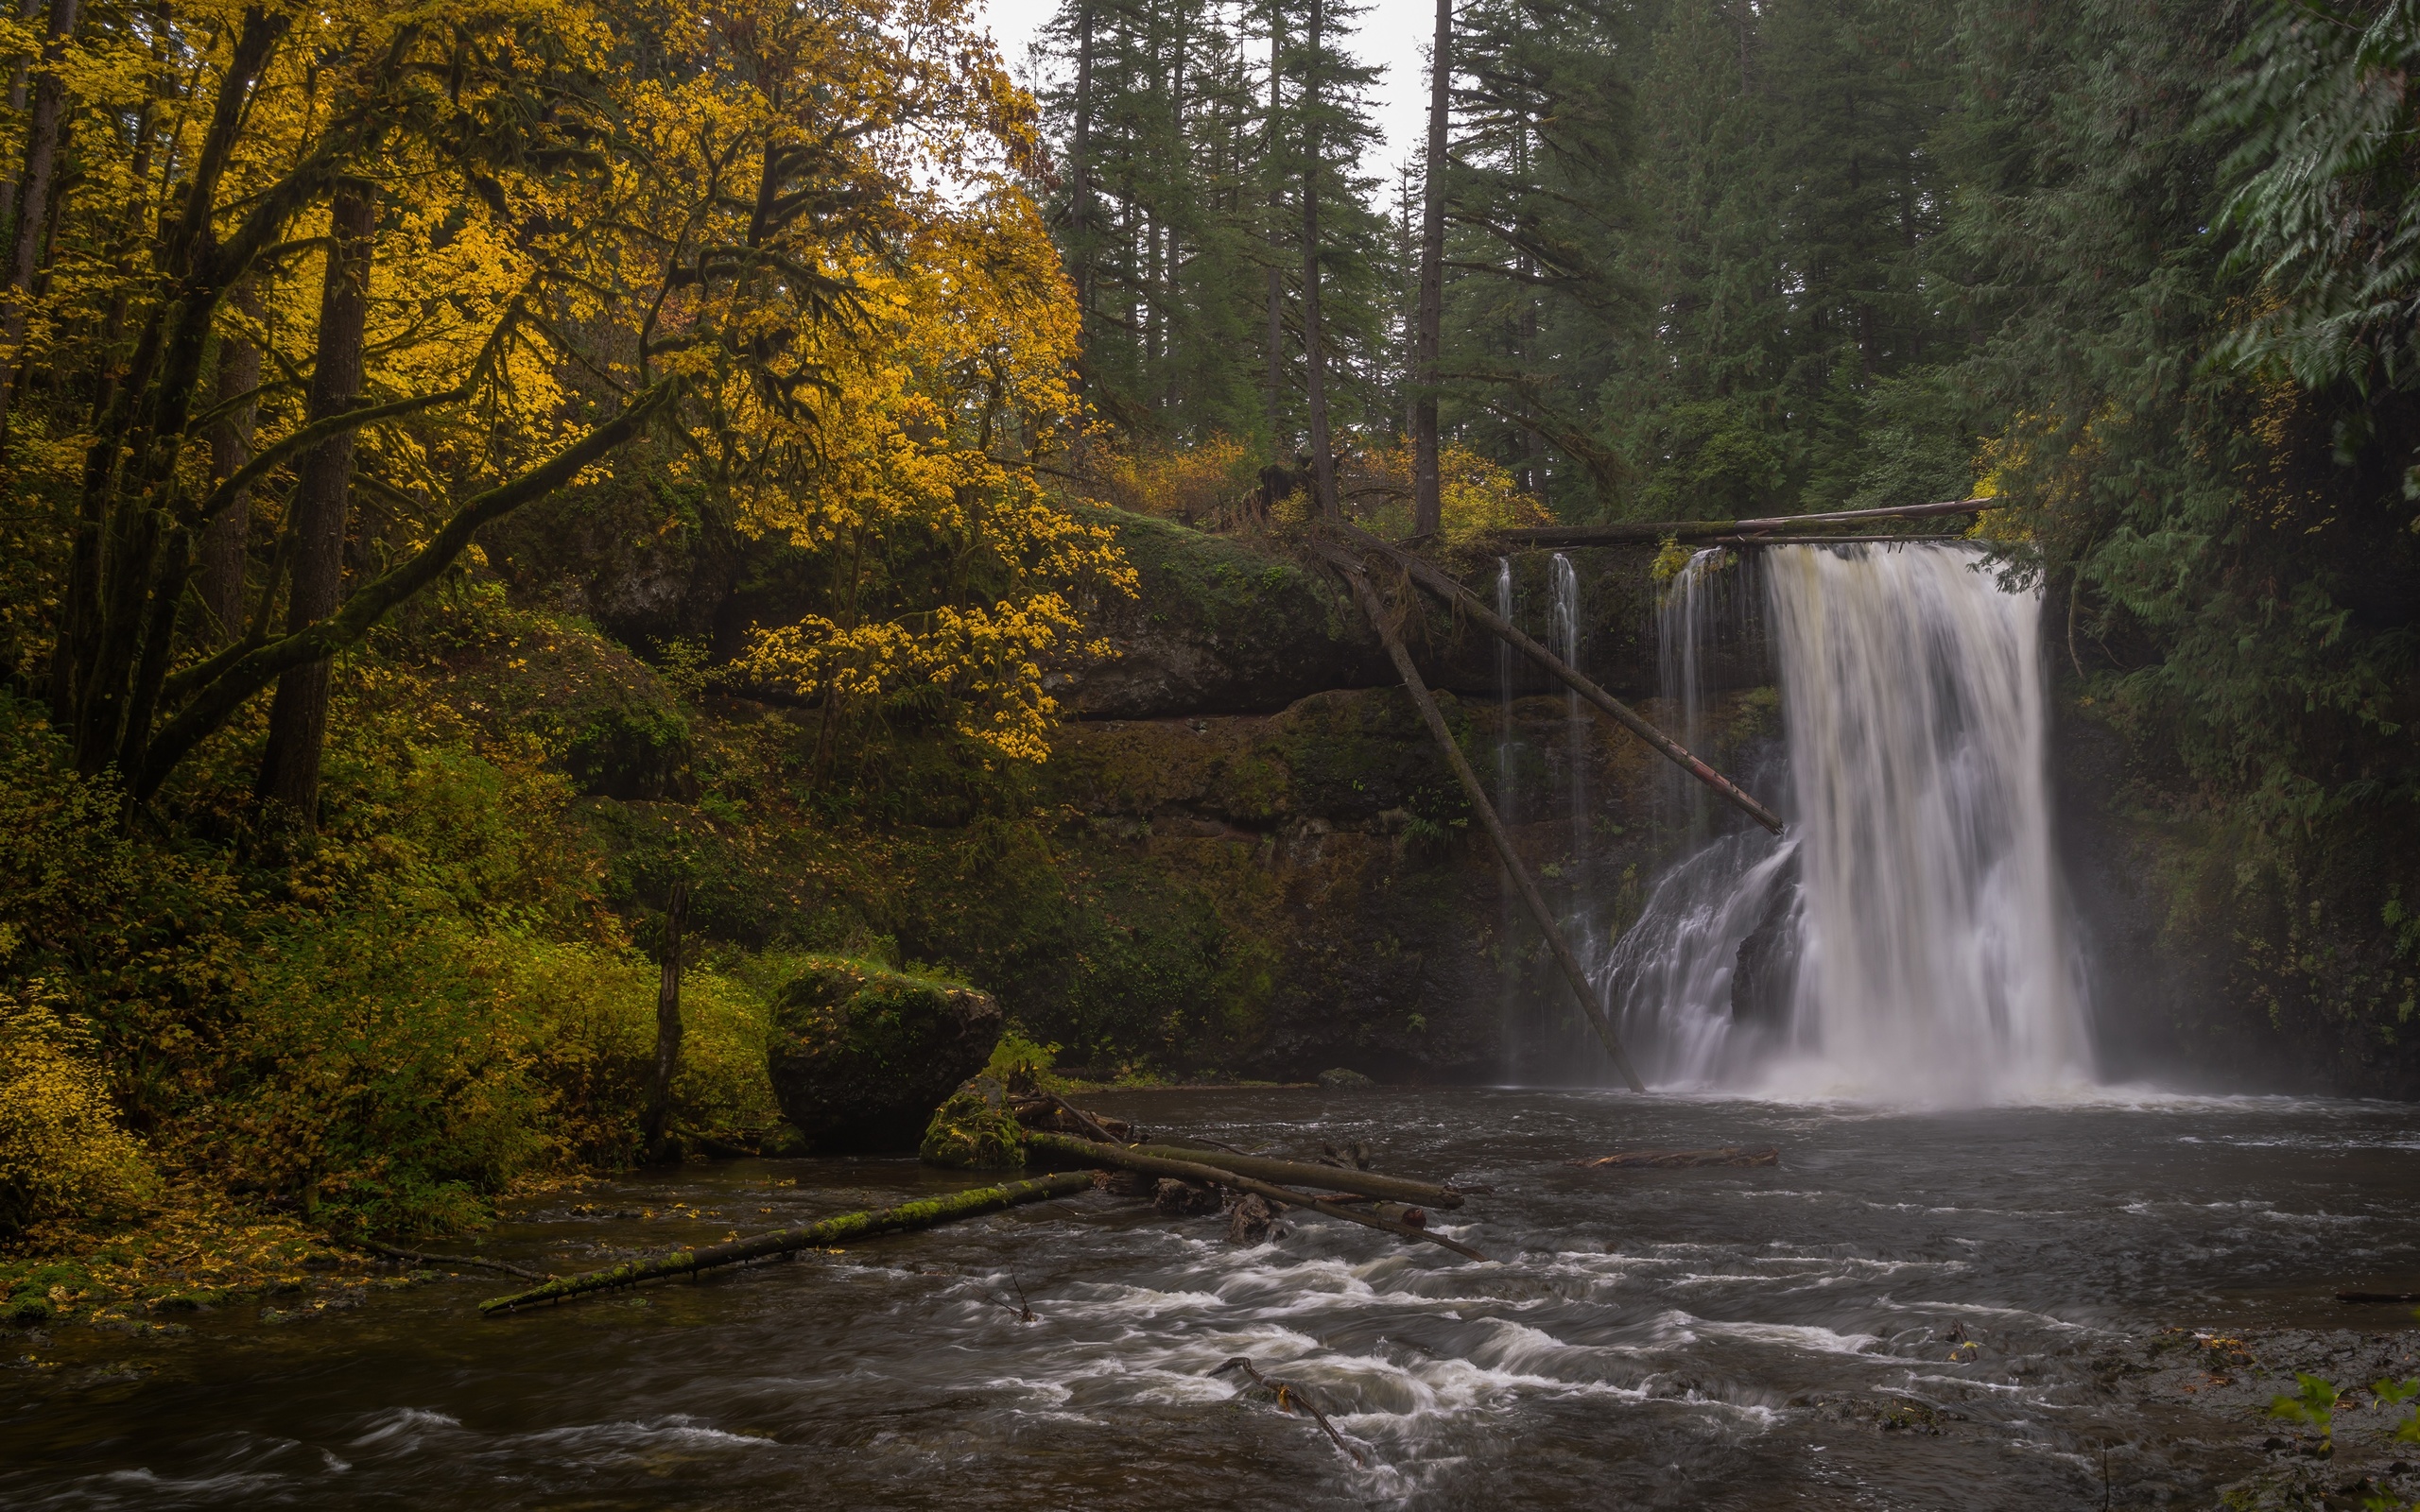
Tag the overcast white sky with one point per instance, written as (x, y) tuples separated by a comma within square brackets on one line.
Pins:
[(1392, 34)]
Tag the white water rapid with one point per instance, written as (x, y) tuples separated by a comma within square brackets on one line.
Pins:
[(1906, 941)]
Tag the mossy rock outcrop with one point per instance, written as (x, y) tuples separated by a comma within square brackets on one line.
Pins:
[(861, 1054), (975, 1130)]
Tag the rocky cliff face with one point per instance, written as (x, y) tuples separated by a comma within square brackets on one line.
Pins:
[(1306, 889)]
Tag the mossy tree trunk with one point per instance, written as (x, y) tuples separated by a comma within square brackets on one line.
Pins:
[(842, 1229)]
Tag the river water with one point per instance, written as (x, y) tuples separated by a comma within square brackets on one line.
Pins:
[(1911, 1310)]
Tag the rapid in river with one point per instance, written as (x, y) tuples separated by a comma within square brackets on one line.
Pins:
[(1911, 1310)]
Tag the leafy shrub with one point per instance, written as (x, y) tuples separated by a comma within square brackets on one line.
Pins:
[(63, 1152), (590, 1014)]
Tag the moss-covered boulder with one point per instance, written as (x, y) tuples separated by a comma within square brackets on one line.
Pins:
[(975, 1130), (861, 1054)]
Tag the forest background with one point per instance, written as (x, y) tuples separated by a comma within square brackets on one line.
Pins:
[(338, 860)]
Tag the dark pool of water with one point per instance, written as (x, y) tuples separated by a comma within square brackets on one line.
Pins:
[(1709, 1338)]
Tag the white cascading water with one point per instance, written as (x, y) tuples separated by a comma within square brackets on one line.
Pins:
[(1564, 625), (1504, 694), (1913, 947)]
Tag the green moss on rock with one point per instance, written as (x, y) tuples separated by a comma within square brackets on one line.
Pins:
[(974, 1130), (860, 1053)]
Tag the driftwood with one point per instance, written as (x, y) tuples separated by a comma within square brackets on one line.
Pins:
[(1291, 1397), (1665, 1160), (1572, 972), (423, 1257), (1303, 1173), (1689, 529), (848, 1227), (1458, 597), (1134, 1158)]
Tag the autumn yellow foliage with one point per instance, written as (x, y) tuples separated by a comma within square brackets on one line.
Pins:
[(1475, 497), (64, 1151)]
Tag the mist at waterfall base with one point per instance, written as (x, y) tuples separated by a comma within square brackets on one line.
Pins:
[(1905, 940)]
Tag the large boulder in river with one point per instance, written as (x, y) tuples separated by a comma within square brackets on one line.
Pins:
[(860, 1053)]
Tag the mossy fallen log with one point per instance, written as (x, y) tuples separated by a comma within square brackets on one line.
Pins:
[(1132, 1157), (907, 1216)]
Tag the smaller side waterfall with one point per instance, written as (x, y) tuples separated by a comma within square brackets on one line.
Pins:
[(1563, 627), (1504, 694)]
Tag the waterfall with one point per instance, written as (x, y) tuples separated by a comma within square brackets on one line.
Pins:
[(1563, 625), (1507, 993), (1687, 623), (1504, 694), (1906, 940)]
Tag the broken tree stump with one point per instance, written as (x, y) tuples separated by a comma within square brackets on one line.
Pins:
[(1249, 1220)]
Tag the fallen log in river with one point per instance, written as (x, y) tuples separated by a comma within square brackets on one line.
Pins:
[(1302, 1173), (849, 1226), (1130, 1157)]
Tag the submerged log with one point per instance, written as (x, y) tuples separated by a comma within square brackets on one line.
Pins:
[(1665, 1160), (847, 1227), (420, 1257), (2378, 1296), (1304, 1173), (1572, 973), (1457, 597), (1134, 1158)]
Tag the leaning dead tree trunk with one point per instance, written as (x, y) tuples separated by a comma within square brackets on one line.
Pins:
[(1572, 972), (1457, 596), (1127, 1158), (848, 1227)]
